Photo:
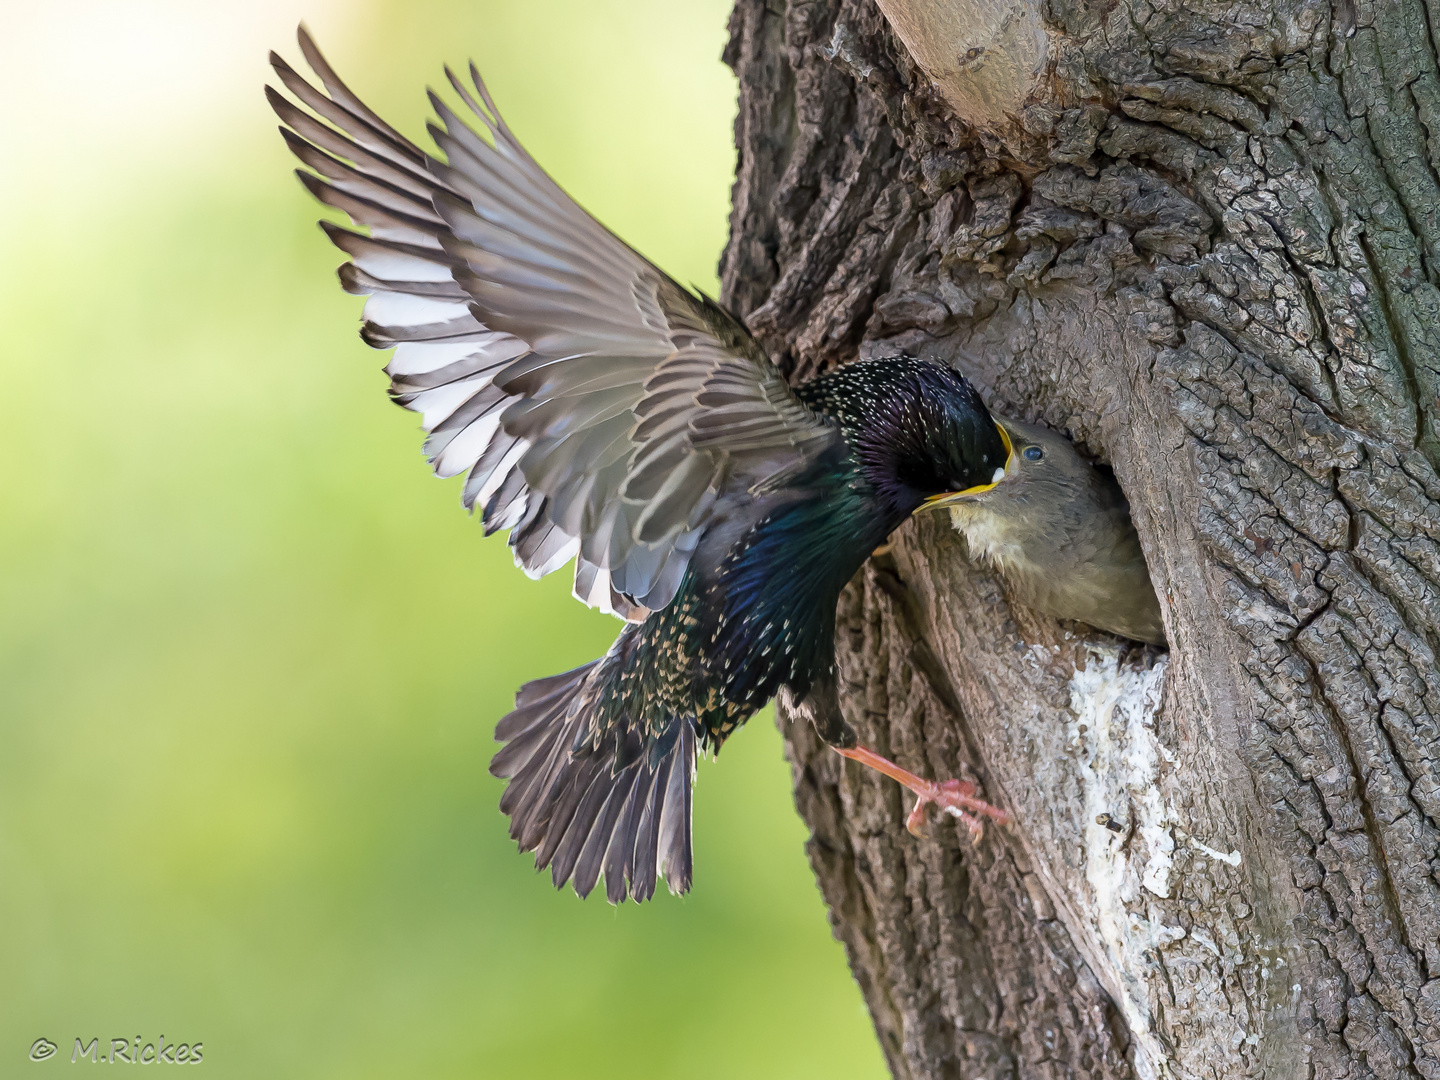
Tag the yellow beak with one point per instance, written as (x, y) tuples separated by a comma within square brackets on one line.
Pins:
[(946, 498)]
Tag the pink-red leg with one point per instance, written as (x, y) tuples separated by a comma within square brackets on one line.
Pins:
[(956, 797)]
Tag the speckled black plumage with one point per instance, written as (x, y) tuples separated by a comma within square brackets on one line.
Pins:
[(754, 613), (606, 416)]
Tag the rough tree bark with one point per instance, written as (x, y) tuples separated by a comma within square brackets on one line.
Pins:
[(1203, 238)]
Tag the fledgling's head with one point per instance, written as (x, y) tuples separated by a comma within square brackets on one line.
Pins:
[(1046, 483)]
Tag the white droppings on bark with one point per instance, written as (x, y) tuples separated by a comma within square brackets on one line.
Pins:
[(1120, 756), (1205, 940), (1119, 759), (1233, 858)]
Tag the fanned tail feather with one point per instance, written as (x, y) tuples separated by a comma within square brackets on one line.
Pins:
[(581, 815)]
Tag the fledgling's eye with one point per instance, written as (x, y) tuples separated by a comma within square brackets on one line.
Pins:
[(1033, 453)]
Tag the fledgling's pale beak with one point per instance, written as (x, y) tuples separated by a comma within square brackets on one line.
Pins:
[(949, 498)]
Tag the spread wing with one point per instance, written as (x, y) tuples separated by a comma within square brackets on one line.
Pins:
[(595, 408)]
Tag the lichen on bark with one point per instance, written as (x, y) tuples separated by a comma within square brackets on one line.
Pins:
[(1207, 247)]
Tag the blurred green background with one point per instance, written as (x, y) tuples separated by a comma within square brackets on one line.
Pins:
[(251, 652)]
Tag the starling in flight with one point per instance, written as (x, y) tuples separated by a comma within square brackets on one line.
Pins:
[(602, 413)]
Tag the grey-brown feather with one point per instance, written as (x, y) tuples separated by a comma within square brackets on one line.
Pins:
[(594, 406), (1059, 532), (581, 813)]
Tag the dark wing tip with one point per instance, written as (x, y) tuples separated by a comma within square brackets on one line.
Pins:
[(313, 183), (351, 281), (333, 230), (308, 48), (282, 67), (298, 146)]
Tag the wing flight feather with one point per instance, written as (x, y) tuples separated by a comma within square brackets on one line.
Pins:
[(595, 408)]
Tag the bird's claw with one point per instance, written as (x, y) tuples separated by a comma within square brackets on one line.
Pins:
[(956, 798)]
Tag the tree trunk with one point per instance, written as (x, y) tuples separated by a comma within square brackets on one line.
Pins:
[(1203, 239)]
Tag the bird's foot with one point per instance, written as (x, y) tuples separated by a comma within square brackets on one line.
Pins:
[(959, 798)]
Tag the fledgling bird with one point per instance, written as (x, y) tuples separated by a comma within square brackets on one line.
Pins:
[(1058, 530), (603, 413)]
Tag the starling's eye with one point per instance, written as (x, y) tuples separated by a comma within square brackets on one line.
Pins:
[(1033, 453)]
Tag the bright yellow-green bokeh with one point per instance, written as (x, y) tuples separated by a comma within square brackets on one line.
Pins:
[(251, 652)]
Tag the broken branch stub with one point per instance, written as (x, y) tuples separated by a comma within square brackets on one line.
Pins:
[(986, 58)]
